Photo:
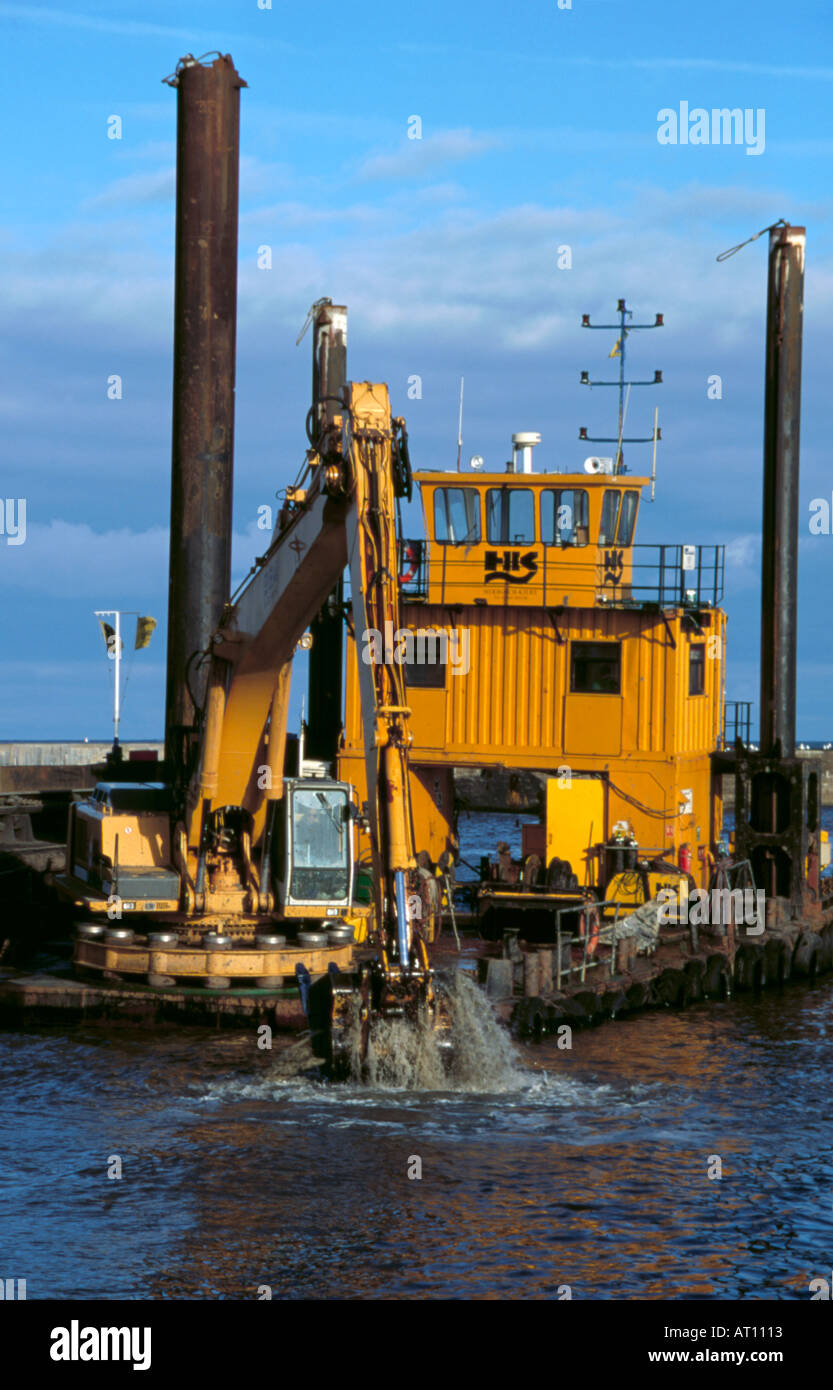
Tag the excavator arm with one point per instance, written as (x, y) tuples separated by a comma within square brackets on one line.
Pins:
[(369, 444), (343, 514), (399, 983)]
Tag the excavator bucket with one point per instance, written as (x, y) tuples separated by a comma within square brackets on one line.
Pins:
[(379, 1011)]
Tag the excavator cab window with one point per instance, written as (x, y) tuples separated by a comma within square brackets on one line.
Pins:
[(320, 845)]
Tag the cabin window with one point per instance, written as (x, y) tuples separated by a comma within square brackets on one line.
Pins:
[(457, 515), (595, 668), (424, 677), (565, 516), (132, 798), (610, 516), (320, 845), (627, 520), (697, 668), (510, 516)]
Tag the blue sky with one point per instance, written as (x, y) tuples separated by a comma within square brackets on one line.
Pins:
[(539, 130)]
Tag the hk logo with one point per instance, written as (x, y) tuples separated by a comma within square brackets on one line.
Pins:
[(614, 565), (511, 566)]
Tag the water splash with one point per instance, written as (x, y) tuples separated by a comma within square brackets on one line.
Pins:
[(482, 1057)]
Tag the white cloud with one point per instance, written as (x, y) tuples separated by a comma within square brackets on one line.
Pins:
[(130, 28), (441, 266), (707, 65), (416, 158), (133, 189), (743, 551), (32, 14), (660, 63), (63, 558)]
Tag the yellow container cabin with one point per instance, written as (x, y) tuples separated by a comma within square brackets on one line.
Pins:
[(538, 635)]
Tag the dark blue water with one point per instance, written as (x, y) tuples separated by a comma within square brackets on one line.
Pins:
[(242, 1168), (585, 1167)]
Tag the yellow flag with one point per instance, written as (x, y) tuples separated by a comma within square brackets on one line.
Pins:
[(616, 349), (144, 632)]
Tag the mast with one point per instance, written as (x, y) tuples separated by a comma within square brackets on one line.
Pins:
[(114, 652), (623, 327)]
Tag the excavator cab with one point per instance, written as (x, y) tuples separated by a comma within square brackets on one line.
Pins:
[(315, 848)]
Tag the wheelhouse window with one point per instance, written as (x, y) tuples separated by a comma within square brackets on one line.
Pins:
[(697, 668), (618, 517), (565, 516), (610, 517), (595, 668), (510, 516), (627, 519), (457, 515)]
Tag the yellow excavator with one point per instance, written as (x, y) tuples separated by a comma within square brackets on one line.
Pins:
[(206, 867)]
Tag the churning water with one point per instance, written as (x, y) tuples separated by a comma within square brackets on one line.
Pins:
[(482, 1057)]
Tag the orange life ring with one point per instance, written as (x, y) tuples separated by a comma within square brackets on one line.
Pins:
[(589, 924), (410, 563)]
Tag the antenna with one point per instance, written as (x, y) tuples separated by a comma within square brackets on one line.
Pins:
[(460, 427), (624, 327), (623, 415), (654, 457)]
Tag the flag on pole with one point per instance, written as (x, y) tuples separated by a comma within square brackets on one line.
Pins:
[(110, 639), (617, 346), (144, 632)]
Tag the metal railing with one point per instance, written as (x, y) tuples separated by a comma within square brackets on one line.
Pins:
[(737, 722), (663, 576), (412, 556), (607, 934), (686, 575)]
